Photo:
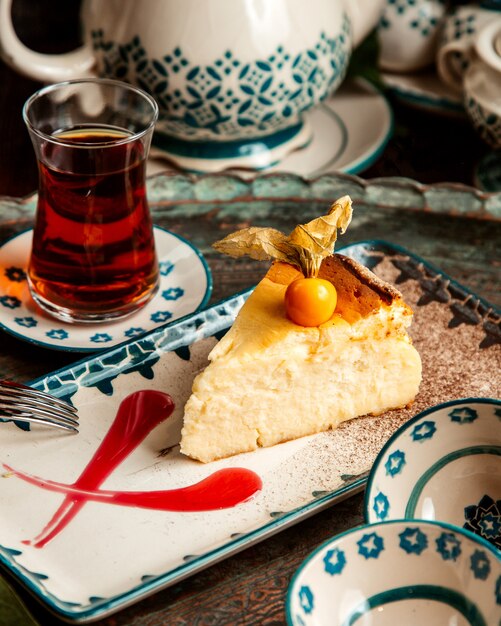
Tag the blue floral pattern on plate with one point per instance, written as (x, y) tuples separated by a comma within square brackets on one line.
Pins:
[(185, 285)]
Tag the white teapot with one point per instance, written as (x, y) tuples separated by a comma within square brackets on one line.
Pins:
[(232, 77)]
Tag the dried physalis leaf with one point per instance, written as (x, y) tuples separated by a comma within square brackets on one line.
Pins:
[(258, 243), (305, 247)]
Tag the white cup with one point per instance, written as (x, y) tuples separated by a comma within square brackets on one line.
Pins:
[(482, 84), (457, 47), (408, 34)]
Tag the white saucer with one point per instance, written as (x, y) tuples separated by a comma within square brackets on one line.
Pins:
[(425, 91), (350, 131), (185, 286)]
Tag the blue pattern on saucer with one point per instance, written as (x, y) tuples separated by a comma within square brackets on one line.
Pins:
[(15, 274), (185, 285), (134, 332), (27, 322), (101, 337), (381, 506), (173, 293), (10, 302), (161, 316), (165, 267), (57, 333), (306, 599)]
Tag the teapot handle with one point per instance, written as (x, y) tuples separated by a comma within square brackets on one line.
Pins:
[(46, 68)]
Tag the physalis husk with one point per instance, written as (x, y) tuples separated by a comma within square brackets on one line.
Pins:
[(309, 301), (305, 247)]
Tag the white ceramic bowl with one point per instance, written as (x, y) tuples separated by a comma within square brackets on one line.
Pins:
[(399, 573), (443, 464)]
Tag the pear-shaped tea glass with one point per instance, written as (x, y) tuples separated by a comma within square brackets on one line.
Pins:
[(93, 257)]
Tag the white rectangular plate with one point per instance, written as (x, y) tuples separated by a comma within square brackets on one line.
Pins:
[(110, 556)]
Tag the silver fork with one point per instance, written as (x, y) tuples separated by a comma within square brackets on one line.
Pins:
[(25, 404)]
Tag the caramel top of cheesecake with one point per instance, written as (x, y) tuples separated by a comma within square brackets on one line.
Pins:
[(366, 307), (359, 291)]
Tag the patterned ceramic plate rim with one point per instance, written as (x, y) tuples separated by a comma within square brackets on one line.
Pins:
[(398, 522), (400, 432), (424, 97), (110, 605), (89, 348)]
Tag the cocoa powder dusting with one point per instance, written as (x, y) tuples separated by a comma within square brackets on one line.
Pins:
[(460, 360)]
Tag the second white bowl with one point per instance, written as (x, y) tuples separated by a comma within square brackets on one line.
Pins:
[(443, 464)]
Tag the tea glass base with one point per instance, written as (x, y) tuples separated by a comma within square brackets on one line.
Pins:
[(70, 316), (257, 153)]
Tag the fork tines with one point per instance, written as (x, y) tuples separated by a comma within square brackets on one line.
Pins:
[(19, 402)]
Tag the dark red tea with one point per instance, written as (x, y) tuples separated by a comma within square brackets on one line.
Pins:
[(93, 248)]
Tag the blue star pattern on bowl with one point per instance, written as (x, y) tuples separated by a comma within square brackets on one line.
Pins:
[(396, 563), (484, 519), (334, 561), (370, 546), (480, 564), (424, 431), (413, 541), (463, 415), (449, 546), (381, 506), (306, 598), (395, 463)]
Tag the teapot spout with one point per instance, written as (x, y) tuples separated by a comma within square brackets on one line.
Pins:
[(364, 16)]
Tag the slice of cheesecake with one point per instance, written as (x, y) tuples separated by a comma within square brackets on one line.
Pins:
[(270, 380)]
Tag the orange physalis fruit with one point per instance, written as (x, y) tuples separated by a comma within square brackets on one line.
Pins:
[(310, 301)]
